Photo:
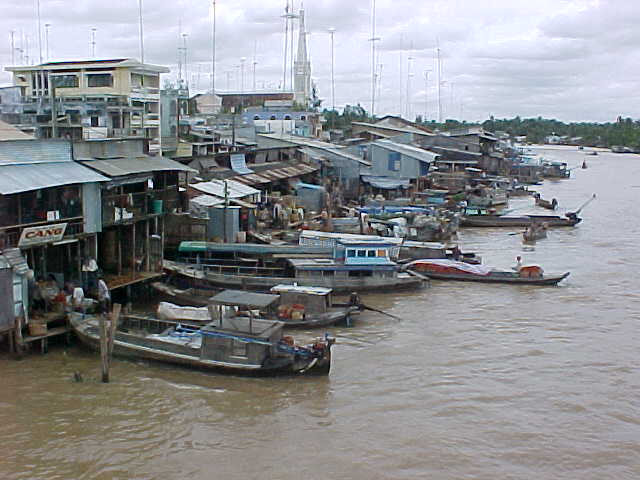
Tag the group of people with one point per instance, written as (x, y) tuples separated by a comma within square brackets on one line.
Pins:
[(47, 295)]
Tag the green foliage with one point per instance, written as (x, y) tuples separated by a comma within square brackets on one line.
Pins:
[(350, 113), (624, 131)]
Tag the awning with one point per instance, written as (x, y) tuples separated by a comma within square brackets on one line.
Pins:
[(244, 299), (34, 176), (116, 167), (386, 183), (268, 176)]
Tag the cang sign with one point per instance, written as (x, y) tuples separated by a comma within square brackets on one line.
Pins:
[(45, 234)]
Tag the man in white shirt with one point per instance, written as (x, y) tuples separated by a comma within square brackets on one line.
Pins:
[(104, 295)]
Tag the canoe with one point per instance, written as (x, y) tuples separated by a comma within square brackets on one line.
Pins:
[(522, 221), (458, 271), (253, 347)]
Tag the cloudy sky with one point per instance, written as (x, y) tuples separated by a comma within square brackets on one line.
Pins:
[(576, 60)]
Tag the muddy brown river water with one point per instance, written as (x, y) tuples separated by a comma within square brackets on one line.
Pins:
[(477, 381)]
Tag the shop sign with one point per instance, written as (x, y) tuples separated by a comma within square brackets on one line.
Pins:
[(44, 234)]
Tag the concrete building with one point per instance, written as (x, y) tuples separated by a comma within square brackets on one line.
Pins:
[(86, 99)]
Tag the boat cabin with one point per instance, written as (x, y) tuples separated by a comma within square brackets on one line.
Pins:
[(555, 170), (316, 300), (241, 339)]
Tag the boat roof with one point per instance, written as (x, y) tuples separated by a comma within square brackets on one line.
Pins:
[(251, 248), (241, 298), (315, 234), (245, 327), (321, 291)]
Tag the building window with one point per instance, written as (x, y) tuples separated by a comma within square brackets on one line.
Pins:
[(94, 121), (65, 81), (394, 162), (382, 253), (287, 117), (303, 117), (256, 117), (100, 80)]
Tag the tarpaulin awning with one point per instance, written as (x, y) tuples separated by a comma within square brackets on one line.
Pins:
[(386, 183)]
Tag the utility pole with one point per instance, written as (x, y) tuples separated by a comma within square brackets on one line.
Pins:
[(13, 48), (426, 95), (242, 60), (140, 31), (373, 41), (255, 50), (439, 66), (39, 31), (184, 51), (46, 39), (93, 43), (332, 31), (213, 51)]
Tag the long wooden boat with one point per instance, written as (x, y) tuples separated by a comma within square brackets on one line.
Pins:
[(569, 220), (245, 346), (457, 271), (549, 205), (316, 305), (203, 277), (194, 297)]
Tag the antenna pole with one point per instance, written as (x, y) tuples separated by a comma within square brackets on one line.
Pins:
[(39, 30), (438, 64), (141, 32), (93, 43), (46, 39), (13, 48), (213, 51)]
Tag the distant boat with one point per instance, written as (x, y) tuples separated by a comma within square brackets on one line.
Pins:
[(535, 232), (549, 205), (522, 221), (593, 152), (459, 271)]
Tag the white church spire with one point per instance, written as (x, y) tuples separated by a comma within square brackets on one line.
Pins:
[(302, 68)]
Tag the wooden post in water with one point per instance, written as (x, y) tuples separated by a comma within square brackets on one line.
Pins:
[(107, 338), (104, 348)]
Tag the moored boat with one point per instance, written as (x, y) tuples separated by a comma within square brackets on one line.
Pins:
[(244, 346), (459, 271), (535, 232), (569, 220), (549, 205)]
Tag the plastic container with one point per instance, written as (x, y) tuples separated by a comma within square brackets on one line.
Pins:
[(156, 206)]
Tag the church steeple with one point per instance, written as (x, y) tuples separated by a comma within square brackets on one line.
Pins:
[(302, 67)]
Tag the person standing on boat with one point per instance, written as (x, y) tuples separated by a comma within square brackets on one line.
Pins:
[(518, 264), (104, 295)]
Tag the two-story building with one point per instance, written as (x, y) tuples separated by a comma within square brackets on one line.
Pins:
[(49, 207), (86, 99), (139, 192)]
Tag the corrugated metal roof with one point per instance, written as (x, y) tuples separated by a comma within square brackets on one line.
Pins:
[(408, 150), (9, 132), (26, 166), (23, 178), (42, 151), (234, 189), (116, 167)]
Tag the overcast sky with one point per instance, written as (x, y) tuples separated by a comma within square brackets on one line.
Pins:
[(576, 60)]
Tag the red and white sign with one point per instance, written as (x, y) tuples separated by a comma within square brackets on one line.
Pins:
[(39, 235)]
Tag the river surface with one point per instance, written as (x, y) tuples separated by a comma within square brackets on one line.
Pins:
[(476, 381)]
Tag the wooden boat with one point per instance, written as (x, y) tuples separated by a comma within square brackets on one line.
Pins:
[(295, 306), (549, 205), (196, 297), (535, 232), (593, 152), (459, 271), (239, 346), (353, 265), (570, 220)]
